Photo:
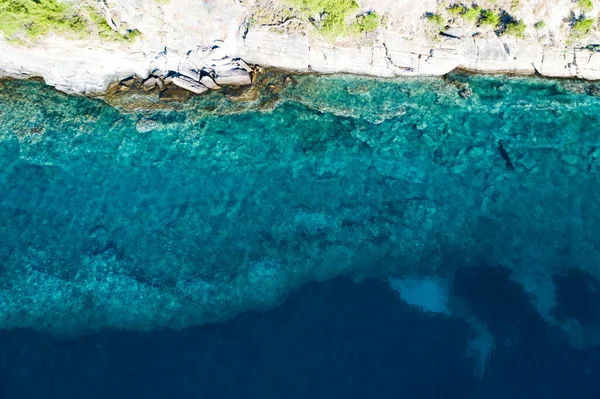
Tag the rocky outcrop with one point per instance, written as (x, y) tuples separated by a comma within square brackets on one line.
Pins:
[(390, 56), (204, 56), (203, 69)]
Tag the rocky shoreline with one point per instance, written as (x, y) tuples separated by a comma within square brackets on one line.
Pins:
[(174, 48), (205, 69)]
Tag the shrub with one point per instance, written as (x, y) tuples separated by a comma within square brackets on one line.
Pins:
[(582, 27), (131, 35), (437, 19), (514, 28), (333, 14), (586, 5), (472, 14), (489, 18), (456, 9), (539, 25), (366, 23)]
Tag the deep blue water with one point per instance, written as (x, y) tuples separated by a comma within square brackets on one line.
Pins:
[(332, 339), (338, 237)]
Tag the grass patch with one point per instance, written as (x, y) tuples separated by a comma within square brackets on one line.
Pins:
[(489, 18), (540, 25), (586, 5), (436, 19), (35, 18), (366, 23), (515, 28), (472, 14), (332, 14)]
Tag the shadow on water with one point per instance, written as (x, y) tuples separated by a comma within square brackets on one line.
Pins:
[(331, 339)]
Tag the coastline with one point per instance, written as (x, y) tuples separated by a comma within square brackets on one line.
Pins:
[(88, 71), (173, 44)]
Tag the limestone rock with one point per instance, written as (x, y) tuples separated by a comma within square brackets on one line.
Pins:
[(149, 84), (208, 82), (189, 84), (235, 77), (190, 72)]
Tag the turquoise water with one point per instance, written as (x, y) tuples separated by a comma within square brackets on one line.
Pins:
[(180, 217)]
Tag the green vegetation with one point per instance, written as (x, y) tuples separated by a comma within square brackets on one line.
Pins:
[(20, 19), (586, 5), (437, 20), (540, 25), (332, 14), (37, 17), (489, 18), (366, 23), (515, 28), (456, 9), (472, 14), (581, 27)]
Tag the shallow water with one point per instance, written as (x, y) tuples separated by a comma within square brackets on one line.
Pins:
[(482, 212)]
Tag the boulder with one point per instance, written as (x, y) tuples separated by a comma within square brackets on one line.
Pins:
[(160, 83), (192, 73), (189, 84), (127, 82), (208, 82), (241, 64), (234, 77), (149, 84)]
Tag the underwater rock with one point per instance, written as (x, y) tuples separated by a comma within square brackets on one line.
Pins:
[(242, 94), (174, 94), (146, 125), (465, 93)]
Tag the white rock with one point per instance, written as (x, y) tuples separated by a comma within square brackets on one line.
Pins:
[(208, 82), (189, 84), (236, 77)]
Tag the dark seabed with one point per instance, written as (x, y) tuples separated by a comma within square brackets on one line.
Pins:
[(332, 339), (338, 237)]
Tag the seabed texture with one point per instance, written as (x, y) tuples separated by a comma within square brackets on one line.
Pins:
[(190, 214)]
